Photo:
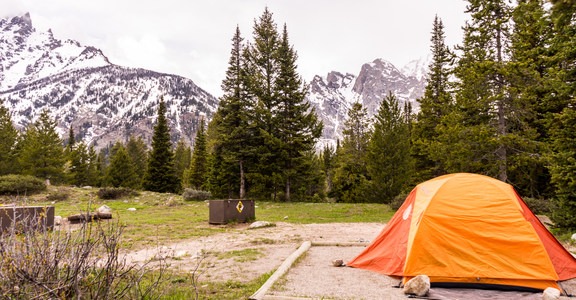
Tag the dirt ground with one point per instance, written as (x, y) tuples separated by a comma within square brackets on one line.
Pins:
[(313, 276)]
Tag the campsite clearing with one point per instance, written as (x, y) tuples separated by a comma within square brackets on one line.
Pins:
[(312, 276)]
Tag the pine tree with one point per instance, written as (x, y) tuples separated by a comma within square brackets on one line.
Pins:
[(138, 153), (71, 140), (435, 104), (79, 159), (281, 126), (328, 164), (121, 173), (561, 104), (298, 128), (232, 129), (9, 138), (526, 71), (262, 72), (182, 156), (473, 138), (101, 167), (42, 153), (160, 175), (93, 174), (351, 174), (389, 163), (199, 164)]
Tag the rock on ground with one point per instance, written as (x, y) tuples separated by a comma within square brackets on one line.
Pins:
[(419, 286)]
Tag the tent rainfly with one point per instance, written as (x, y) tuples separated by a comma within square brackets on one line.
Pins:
[(468, 230)]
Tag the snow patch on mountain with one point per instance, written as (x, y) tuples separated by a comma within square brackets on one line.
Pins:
[(333, 95), (81, 88)]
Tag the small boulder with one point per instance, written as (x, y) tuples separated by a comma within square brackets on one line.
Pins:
[(131, 209), (419, 286), (57, 220), (573, 237), (104, 209), (551, 294), (260, 224), (338, 263), (180, 254)]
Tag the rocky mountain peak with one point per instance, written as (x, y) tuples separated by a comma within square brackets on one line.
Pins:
[(338, 80), (333, 95), (23, 22), (376, 80), (82, 89)]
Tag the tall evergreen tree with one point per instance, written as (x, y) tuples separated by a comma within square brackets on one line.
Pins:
[(101, 165), (182, 156), (160, 175), (234, 146), (328, 164), (526, 71), (8, 138), (42, 153), (298, 128), (351, 174), (474, 137), (262, 72), (79, 160), (435, 104), (138, 153), (389, 163), (71, 140), (282, 125), (93, 174), (562, 106), (121, 172), (199, 164)]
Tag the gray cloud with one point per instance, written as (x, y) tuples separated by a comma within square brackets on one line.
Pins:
[(193, 38)]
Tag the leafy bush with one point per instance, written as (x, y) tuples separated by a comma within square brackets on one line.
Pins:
[(20, 184), (110, 193), (60, 194), (79, 264), (539, 206), (191, 194), (398, 201)]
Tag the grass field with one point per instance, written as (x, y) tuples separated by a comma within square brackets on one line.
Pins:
[(161, 219), (164, 218)]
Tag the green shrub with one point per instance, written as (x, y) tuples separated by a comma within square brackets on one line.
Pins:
[(539, 206), (60, 194), (398, 201), (110, 193), (191, 194), (84, 263), (20, 184)]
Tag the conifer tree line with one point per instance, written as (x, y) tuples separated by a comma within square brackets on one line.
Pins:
[(262, 138), (39, 151), (501, 104)]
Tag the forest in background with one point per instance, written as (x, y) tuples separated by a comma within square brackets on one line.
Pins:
[(500, 104)]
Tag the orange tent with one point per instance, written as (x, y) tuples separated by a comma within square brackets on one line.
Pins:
[(468, 230)]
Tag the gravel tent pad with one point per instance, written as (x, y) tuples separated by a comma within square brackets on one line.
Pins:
[(314, 277)]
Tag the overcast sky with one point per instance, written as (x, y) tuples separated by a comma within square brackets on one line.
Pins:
[(192, 38)]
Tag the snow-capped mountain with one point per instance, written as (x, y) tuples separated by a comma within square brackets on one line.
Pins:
[(333, 95), (103, 102)]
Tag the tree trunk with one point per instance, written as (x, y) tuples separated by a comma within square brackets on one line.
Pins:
[(287, 189), (501, 151), (242, 181)]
